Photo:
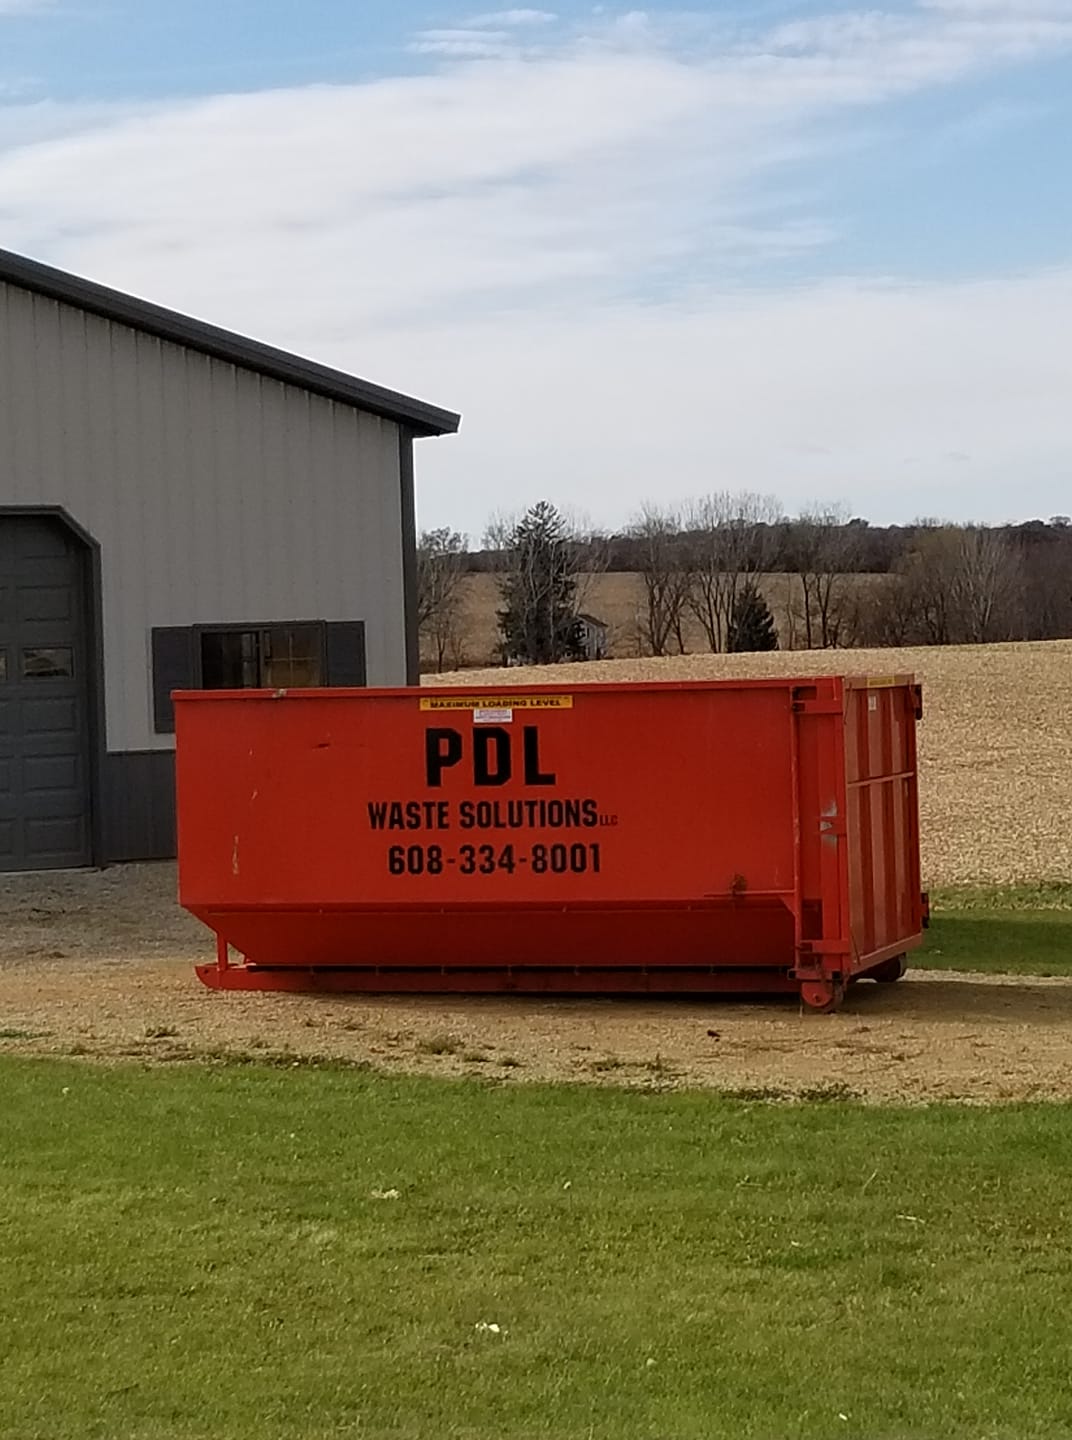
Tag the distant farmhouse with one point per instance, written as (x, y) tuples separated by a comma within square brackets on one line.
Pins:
[(592, 636)]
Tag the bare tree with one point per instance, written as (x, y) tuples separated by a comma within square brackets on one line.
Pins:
[(888, 614), (986, 586), (825, 549), (659, 558), (1048, 586), (957, 586), (730, 544), (791, 613), (440, 575), (591, 553), (968, 583)]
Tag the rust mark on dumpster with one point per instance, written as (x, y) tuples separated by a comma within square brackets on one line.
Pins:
[(593, 839)]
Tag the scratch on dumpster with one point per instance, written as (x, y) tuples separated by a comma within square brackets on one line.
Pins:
[(234, 857), (827, 815)]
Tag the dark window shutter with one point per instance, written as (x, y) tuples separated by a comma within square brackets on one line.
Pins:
[(173, 669), (346, 652)]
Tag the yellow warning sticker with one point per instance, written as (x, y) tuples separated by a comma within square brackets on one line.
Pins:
[(497, 702), (882, 682)]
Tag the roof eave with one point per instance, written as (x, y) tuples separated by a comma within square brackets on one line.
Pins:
[(420, 418)]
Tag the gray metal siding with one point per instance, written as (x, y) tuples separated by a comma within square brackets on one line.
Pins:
[(138, 801), (240, 350), (216, 494)]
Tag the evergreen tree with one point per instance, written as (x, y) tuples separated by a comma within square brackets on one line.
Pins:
[(539, 589), (752, 625)]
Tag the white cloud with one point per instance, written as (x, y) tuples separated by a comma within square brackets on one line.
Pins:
[(492, 36), (29, 122), (558, 234), (465, 44), (1011, 8), (515, 17), (897, 398)]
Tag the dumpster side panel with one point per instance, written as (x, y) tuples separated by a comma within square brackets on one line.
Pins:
[(324, 799)]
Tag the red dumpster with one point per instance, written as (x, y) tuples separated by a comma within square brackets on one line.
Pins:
[(756, 835)]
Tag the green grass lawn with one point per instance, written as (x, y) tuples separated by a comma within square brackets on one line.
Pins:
[(1015, 942), (1024, 930), (197, 1252)]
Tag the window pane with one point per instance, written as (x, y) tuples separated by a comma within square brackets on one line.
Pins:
[(291, 656), (52, 662), (230, 660)]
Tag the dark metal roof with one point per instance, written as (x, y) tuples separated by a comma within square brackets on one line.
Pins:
[(418, 417)]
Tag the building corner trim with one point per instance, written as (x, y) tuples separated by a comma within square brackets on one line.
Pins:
[(408, 503)]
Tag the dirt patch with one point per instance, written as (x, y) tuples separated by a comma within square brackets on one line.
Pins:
[(101, 965)]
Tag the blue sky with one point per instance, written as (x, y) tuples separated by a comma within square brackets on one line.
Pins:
[(818, 250)]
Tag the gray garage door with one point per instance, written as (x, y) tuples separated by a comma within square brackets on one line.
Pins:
[(44, 710)]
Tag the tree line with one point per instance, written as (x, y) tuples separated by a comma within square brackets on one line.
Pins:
[(541, 563), (701, 566)]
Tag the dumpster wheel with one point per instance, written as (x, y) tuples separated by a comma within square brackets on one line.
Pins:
[(823, 996), (890, 970)]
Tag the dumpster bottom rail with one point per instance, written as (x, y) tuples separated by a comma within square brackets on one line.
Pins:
[(489, 980)]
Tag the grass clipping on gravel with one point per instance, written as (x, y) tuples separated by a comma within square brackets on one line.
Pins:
[(995, 743), (264, 1254)]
